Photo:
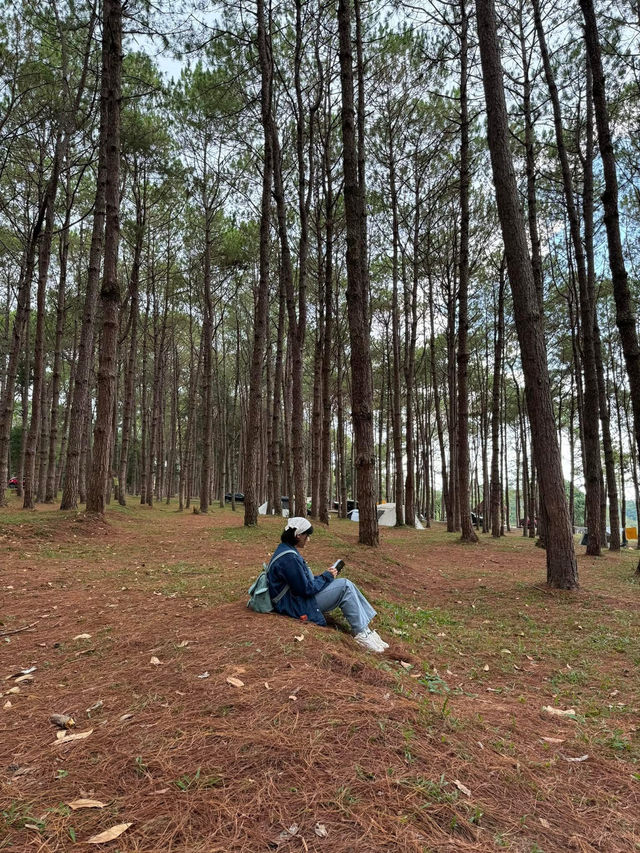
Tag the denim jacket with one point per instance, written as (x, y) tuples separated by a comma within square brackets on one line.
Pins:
[(300, 599)]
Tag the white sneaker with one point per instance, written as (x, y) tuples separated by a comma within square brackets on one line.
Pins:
[(367, 639), (379, 640)]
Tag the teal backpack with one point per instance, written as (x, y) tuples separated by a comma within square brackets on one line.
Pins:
[(259, 597)]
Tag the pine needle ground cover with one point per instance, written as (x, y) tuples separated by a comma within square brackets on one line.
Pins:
[(503, 716)]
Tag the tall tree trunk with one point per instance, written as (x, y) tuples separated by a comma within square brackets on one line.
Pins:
[(562, 569), (50, 489), (468, 534), (446, 498), (44, 258), (110, 291), (496, 487), (411, 333), (19, 326), (79, 402), (396, 396), (605, 419), (590, 418), (129, 380), (262, 297), (357, 288), (625, 315), (325, 474)]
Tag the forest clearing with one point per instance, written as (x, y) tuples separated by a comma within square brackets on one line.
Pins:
[(201, 726)]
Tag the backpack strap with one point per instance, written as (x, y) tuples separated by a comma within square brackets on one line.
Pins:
[(285, 588)]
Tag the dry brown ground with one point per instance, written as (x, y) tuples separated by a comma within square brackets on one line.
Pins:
[(349, 750)]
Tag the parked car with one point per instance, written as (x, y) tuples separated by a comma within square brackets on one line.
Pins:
[(476, 519), (13, 483), (351, 505), (239, 497)]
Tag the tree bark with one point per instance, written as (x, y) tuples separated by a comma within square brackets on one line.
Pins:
[(625, 315), (357, 289), (468, 534), (496, 487), (110, 291), (262, 297), (587, 311), (562, 569)]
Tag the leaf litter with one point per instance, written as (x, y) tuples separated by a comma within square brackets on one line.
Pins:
[(342, 755)]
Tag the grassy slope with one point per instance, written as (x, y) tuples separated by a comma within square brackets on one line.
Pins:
[(439, 745)]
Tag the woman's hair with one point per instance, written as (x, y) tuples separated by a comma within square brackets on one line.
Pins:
[(290, 537)]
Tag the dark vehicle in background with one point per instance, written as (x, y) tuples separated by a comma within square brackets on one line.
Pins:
[(13, 483), (239, 497), (351, 505), (476, 519)]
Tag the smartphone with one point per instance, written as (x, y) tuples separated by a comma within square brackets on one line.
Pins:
[(338, 565)]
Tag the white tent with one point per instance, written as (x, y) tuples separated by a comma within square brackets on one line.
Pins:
[(262, 509), (386, 515)]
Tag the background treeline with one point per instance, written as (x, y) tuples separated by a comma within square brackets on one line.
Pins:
[(190, 257)]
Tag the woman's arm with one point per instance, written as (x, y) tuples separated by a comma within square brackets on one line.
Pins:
[(300, 580)]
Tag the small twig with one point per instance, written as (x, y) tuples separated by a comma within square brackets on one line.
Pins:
[(18, 630)]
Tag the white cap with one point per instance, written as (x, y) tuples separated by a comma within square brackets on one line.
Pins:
[(299, 524)]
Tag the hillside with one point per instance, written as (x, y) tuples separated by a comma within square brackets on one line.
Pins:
[(135, 624)]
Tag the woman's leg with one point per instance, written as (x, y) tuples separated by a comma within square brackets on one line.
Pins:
[(344, 594)]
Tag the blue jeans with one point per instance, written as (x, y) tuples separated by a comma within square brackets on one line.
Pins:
[(344, 594)]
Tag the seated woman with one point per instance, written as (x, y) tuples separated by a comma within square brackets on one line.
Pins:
[(296, 592)]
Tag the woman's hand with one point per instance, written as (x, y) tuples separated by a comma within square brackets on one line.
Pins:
[(333, 571)]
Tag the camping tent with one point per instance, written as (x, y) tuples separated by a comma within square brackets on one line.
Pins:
[(386, 515)]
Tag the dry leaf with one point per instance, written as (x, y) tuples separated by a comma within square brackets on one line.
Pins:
[(82, 637), (462, 787), (403, 663), (558, 712), (505, 652), (486, 667), (12, 690), (300, 638), (266, 684), (69, 738), (293, 697), (554, 739), (154, 660), (582, 758), (84, 803), (544, 823), (183, 644), (204, 675), (63, 721), (20, 672), (320, 830), (286, 834), (109, 834), (125, 717), (7, 705), (235, 682), (24, 678)]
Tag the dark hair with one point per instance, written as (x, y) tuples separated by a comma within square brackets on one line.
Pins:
[(290, 537)]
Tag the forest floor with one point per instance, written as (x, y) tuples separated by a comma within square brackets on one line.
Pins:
[(201, 726)]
